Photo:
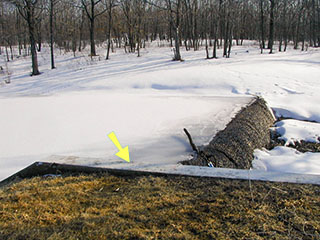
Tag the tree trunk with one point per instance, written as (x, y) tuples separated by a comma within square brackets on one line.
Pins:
[(318, 29), (39, 44), (11, 52), (229, 47), (285, 45), (20, 47), (81, 30), (177, 55), (108, 49), (51, 34), (262, 25), (303, 34), (314, 23), (39, 33), (92, 24), (138, 47), (7, 54), (170, 34), (271, 33), (207, 48), (215, 48), (226, 39), (34, 57), (297, 33), (92, 43), (109, 30)]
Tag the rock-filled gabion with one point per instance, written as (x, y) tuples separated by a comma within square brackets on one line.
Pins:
[(233, 147)]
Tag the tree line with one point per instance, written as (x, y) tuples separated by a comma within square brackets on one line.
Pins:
[(71, 25)]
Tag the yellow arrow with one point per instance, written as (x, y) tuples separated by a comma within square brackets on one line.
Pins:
[(123, 152)]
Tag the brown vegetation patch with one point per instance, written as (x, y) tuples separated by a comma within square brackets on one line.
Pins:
[(109, 207)]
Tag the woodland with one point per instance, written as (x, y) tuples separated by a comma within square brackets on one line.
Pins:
[(72, 25)]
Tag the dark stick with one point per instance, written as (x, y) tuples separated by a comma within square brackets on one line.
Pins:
[(193, 146)]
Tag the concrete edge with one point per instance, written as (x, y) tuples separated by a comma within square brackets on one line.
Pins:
[(44, 168)]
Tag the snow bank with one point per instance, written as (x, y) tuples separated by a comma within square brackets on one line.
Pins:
[(292, 131), (285, 159)]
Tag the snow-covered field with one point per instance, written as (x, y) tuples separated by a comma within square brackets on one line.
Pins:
[(147, 101)]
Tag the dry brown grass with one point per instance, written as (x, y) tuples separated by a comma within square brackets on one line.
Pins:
[(109, 207)]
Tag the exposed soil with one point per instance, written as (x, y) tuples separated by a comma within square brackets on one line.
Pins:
[(109, 207)]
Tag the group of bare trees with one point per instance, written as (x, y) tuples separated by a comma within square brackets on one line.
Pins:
[(70, 25)]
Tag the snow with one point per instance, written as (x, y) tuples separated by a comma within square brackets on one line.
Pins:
[(292, 131), (77, 124), (285, 159), (147, 101)]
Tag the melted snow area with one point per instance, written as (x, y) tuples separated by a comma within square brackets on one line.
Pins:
[(147, 102)]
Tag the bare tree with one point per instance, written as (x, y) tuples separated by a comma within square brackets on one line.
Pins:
[(81, 29), (90, 8), (213, 23), (140, 11), (111, 5), (174, 8), (262, 20), (130, 24), (30, 10), (297, 27), (51, 14)]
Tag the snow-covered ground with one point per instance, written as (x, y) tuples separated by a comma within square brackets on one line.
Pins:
[(147, 101), (283, 158), (292, 131)]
